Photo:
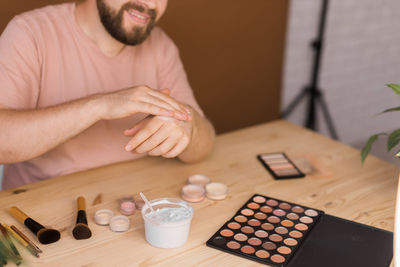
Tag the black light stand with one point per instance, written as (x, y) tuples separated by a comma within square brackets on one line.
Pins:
[(312, 91)]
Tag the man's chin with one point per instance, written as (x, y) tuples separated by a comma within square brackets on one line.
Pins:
[(135, 40)]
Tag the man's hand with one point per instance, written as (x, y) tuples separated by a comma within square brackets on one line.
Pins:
[(64, 121), (160, 136), (140, 99)]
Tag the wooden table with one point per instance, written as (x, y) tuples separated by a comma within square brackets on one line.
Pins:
[(344, 188)]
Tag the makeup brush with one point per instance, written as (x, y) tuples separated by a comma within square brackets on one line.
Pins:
[(21, 240), (81, 229), (14, 250), (44, 235), (27, 240)]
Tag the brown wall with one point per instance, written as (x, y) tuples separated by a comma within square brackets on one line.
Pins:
[(232, 51)]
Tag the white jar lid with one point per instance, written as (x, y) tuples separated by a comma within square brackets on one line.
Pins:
[(103, 217), (193, 192), (216, 191), (199, 179), (119, 223)]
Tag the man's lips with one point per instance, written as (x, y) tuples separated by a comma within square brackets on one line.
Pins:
[(137, 16)]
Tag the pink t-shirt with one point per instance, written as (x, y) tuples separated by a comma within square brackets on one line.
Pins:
[(46, 59)]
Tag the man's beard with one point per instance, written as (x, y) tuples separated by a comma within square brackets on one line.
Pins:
[(112, 22)]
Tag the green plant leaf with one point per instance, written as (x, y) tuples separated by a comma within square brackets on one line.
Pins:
[(367, 148), (395, 87), (393, 140), (391, 109)]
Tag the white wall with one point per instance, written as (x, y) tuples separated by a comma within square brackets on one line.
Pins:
[(362, 54)]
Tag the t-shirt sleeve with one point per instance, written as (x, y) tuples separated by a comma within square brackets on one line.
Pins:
[(19, 66), (171, 72)]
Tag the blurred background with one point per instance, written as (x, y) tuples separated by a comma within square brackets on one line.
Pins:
[(246, 61), (361, 55)]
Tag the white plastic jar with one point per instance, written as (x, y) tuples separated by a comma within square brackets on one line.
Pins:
[(168, 226)]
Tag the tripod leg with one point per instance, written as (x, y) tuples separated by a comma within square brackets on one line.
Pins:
[(328, 117), (311, 120), (303, 93)]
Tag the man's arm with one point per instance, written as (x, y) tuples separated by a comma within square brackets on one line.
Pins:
[(27, 134), (202, 140)]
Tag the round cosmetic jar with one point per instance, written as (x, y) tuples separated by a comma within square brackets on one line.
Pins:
[(119, 223), (139, 203), (103, 216), (193, 192), (199, 179), (169, 224), (216, 191), (127, 205)]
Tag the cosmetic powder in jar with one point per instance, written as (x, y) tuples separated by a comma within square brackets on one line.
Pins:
[(199, 179), (103, 216), (127, 205), (119, 223), (216, 191), (193, 193)]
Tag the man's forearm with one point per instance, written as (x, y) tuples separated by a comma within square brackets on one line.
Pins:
[(29, 133), (202, 142)]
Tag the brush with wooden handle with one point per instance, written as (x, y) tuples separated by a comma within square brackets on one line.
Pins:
[(43, 234), (27, 240), (81, 229)]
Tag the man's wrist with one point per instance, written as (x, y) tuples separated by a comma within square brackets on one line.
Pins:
[(97, 106)]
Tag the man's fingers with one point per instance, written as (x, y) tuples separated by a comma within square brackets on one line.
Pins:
[(168, 130), (140, 125), (175, 104), (165, 146), (145, 107), (132, 131), (158, 102), (163, 104), (183, 106), (144, 134), (178, 149), (156, 139), (166, 91)]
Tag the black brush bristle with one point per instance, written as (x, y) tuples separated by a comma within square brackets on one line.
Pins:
[(48, 236), (81, 231)]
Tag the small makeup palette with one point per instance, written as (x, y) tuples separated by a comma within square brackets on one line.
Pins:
[(280, 233), (280, 166)]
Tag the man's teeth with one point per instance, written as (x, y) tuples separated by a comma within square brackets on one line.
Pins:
[(133, 13)]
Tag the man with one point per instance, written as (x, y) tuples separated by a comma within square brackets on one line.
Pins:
[(88, 84)]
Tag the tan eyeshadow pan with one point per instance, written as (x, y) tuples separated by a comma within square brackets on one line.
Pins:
[(260, 216), (234, 225), (241, 237), (262, 254), (233, 245), (248, 249)]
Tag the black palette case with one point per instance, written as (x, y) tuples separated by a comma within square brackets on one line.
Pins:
[(338, 242), (329, 242)]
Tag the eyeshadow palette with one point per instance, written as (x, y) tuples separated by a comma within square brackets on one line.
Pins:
[(280, 233), (266, 230), (280, 166)]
